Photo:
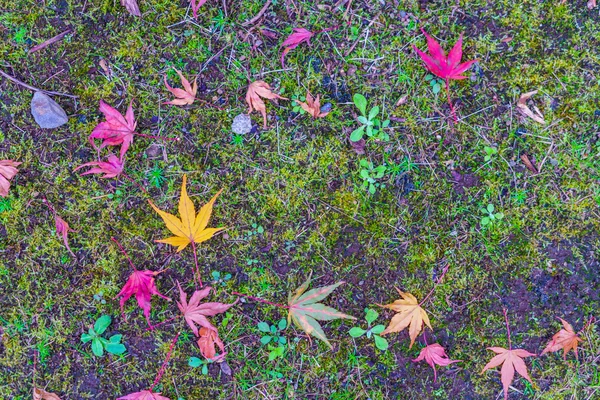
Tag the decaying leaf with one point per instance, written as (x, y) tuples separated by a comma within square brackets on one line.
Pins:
[(8, 169), (257, 91), (116, 130), (132, 7), (434, 354), (535, 115), (207, 341), (312, 106), (298, 36), (305, 309), (510, 360), (184, 96), (566, 339), (62, 230), (191, 227), (143, 395), (196, 314), (409, 314), (111, 168), (528, 163), (41, 394)]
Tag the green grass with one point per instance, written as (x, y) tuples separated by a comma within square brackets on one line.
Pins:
[(300, 181)]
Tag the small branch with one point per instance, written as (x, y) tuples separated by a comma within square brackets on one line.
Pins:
[(259, 15), (135, 182), (124, 252), (18, 82), (160, 324), (49, 41), (261, 300), (163, 367), (507, 328)]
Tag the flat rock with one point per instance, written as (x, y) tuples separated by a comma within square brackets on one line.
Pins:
[(242, 124), (46, 112)]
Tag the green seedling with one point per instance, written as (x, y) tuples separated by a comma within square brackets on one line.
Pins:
[(371, 125), (220, 279), (490, 152), (196, 362), (436, 84), (370, 174), (156, 177), (371, 331), (274, 338), (99, 344), (490, 216)]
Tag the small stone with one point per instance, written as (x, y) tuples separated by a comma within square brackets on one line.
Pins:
[(153, 151), (242, 124), (46, 112)]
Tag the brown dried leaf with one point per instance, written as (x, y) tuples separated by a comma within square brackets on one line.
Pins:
[(565, 339), (535, 115), (257, 91), (511, 361), (528, 163), (409, 315), (132, 7), (312, 106), (41, 394)]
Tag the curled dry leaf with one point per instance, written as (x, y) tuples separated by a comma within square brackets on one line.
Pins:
[(257, 91), (132, 7), (305, 309), (207, 341), (312, 106), (143, 395), (8, 170), (184, 96), (41, 394), (409, 314), (434, 354), (511, 361), (528, 163), (111, 168), (535, 115), (298, 36), (116, 130), (62, 230), (566, 339)]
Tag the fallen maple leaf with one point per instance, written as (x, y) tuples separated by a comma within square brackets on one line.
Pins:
[(565, 339), (510, 360), (132, 7), (409, 313), (256, 90), (434, 354), (437, 63), (187, 95), (298, 36), (207, 341), (196, 6), (116, 130), (63, 229), (41, 394), (535, 115), (196, 313), (312, 106), (111, 168), (591, 4), (144, 395), (305, 309), (7, 171)]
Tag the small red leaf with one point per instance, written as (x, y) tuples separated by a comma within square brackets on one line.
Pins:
[(298, 36), (111, 168)]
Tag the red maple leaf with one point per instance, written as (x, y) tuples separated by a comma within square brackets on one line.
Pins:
[(298, 36), (111, 168), (116, 130), (434, 354), (142, 285), (446, 67), (143, 395)]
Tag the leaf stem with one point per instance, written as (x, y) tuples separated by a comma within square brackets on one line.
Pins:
[(196, 262), (436, 284), (151, 328), (261, 300), (135, 183), (507, 328), (452, 110), (124, 252), (163, 367)]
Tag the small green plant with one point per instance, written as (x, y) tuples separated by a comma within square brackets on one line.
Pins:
[(220, 279), (256, 230), (99, 297), (237, 140), (112, 345), (196, 362), (436, 84), (274, 338), (295, 106), (375, 331), (156, 176), (370, 174), (490, 216), (490, 152), (5, 204), (371, 125), (20, 35)]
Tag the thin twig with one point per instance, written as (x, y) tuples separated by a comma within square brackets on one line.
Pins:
[(163, 367), (259, 15), (49, 41), (18, 82), (260, 300)]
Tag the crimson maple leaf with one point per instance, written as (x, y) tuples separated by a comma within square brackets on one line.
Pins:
[(298, 36), (111, 168), (434, 354), (196, 313), (7, 171), (116, 130), (446, 67), (143, 395)]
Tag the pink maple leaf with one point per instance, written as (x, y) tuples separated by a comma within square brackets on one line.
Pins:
[(111, 168), (434, 354), (196, 6), (7, 171), (143, 395), (298, 36), (116, 130), (446, 67)]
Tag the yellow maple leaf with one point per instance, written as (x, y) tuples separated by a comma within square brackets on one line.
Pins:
[(191, 228), (409, 313)]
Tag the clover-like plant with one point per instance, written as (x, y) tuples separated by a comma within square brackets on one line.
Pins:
[(490, 216), (371, 125), (274, 338), (112, 345), (371, 331)]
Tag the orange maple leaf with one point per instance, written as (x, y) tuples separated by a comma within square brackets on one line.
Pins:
[(511, 361), (409, 313), (184, 96), (566, 339), (257, 91), (312, 106)]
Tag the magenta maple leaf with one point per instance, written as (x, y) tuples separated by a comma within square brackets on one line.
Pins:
[(446, 67), (298, 36), (142, 285), (111, 168), (434, 354), (116, 130), (196, 4), (143, 395)]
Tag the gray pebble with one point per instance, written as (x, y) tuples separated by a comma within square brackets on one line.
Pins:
[(46, 112), (242, 124)]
